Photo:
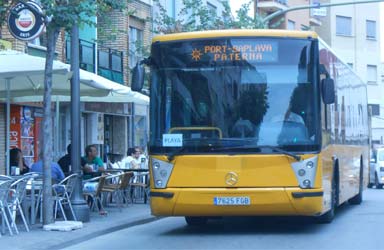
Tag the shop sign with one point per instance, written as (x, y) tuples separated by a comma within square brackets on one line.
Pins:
[(109, 108), (15, 127), (26, 21), (24, 131)]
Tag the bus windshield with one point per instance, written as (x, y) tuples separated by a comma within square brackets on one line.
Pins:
[(236, 94)]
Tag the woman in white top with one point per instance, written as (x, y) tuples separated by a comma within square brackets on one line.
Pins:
[(132, 160)]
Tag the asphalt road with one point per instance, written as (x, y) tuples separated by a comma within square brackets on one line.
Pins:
[(355, 227)]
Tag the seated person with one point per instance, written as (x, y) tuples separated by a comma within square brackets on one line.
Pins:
[(17, 160), (133, 159), (93, 163), (65, 161), (143, 159), (56, 172)]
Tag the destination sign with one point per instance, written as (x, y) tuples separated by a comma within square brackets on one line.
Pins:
[(259, 51)]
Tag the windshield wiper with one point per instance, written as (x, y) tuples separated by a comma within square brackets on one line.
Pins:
[(209, 143), (276, 149), (295, 156), (172, 154), (180, 150)]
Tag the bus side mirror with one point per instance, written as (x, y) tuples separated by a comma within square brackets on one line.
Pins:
[(328, 90), (138, 74)]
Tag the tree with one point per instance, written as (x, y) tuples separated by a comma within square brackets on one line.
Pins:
[(59, 15), (197, 16), (4, 9)]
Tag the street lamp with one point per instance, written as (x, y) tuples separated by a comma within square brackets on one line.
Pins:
[(80, 207)]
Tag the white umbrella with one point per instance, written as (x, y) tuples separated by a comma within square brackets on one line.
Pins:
[(26, 76), (111, 98), (23, 75), (117, 93)]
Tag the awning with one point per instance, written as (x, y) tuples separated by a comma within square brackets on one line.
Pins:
[(118, 92), (22, 77), (26, 74)]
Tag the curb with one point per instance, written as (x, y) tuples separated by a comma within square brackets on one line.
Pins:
[(101, 232)]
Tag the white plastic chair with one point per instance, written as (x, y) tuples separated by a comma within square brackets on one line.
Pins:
[(33, 199), (15, 199), (5, 178), (63, 192), (4, 209)]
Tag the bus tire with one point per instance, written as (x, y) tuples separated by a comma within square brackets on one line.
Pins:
[(196, 220), (330, 215), (357, 199)]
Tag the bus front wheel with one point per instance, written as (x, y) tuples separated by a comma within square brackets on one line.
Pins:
[(196, 220), (328, 216)]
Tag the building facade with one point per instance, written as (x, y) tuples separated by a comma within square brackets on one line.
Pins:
[(174, 9), (293, 20), (353, 32), (112, 126), (24, 133), (111, 50)]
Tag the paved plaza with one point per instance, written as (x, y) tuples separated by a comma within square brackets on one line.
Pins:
[(38, 239)]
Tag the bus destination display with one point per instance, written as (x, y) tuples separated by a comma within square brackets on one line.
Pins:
[(241, 51)]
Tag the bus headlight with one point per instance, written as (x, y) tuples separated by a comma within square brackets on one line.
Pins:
[(306, 183), (305, 172), (159, 183), (301, 172), (310, 164), (161, 172), (156, 165)]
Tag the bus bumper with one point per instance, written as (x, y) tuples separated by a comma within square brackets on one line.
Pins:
[(263, 201)]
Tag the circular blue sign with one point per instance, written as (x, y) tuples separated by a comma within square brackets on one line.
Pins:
[(25, 21)]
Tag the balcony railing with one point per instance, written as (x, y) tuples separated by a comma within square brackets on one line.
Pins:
[(109, 61), (285, 2), (110, 64), (272, 5)]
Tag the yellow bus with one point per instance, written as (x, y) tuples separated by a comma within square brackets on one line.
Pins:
[(253, 122)]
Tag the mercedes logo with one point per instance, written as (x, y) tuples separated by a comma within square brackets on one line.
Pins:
[(231, 178)]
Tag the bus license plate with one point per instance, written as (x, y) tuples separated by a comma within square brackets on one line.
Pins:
[(232, 201)]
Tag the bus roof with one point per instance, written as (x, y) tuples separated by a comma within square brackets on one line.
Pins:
[(234, 33)]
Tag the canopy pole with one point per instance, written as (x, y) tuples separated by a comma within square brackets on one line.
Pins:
[(57, 142), (8, 124), (79, 205)]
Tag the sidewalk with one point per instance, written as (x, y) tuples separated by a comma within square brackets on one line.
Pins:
[(38, 239)]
